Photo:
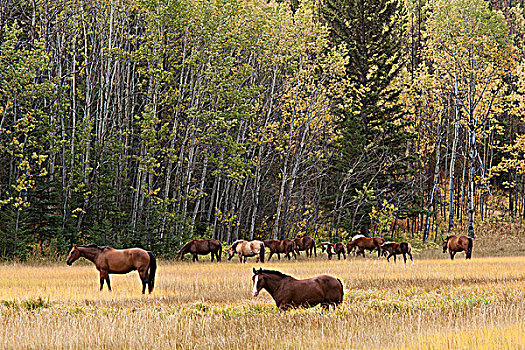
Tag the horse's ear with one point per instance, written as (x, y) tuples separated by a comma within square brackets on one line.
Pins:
[(260, 269), (74, 245), (254, 271)]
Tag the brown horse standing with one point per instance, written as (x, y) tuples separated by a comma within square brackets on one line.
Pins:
[(365, 243), (290, 292), (307, 244), (456, 244), (245, 249), (392, 249), (286, 246), (108, 260), (198, 247), (334, 248)]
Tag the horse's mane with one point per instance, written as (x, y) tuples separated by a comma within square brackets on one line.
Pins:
[(234, 244), (186, 245), (93, 245), (449, 237), (274, 272)]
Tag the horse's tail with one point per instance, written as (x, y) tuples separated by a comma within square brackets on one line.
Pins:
[(261, 252), (315, 248), (152, 270), (469, 249), (219, 253), (342, 290)]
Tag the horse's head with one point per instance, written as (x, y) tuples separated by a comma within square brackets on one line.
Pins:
[(445, 244), (258, 281), (351, 244), (73, 255), (179, 255), (231, 253)]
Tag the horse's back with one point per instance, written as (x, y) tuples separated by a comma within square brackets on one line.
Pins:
[(214, 244), (329, 288), (126, 260), (458, 244)]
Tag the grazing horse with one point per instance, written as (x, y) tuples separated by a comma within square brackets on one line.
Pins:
[(365, 243), (334, 248), (197, 247), (286, 246), (247, 249), (108, 260), (349, 250), (393, 249), (458, 244), (307, 244), (290, 292)]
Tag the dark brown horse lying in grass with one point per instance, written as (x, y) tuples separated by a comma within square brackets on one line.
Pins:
[(289, 292), (245, 249), (392, 249), (198, 247), (307, 244), (286, 247), (365, 243), (334, 248), (456, 244), (108, 260)]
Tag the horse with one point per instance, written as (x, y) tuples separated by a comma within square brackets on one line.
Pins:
[(334, 248), (458, 244), (201, 247), (289, 292), (109, 260), (307, 244), (348, 251), (365, 243), (393, 249), (247, 249), (286, 246)]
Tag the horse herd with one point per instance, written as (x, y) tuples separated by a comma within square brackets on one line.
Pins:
[(293, 247), (284, 289)]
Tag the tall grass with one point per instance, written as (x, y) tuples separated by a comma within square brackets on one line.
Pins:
[(205, 305)]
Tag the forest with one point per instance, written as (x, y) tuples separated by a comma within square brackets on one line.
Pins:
[(150, 122)]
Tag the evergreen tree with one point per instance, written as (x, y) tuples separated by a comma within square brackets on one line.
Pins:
[(375, 164)]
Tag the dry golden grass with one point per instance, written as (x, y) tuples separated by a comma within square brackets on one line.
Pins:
[(433, 304)]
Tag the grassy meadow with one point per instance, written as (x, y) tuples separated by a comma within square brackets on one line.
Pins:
[(432, 304)]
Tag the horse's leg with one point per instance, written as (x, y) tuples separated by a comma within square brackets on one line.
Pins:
[(452, 255), (395, 258), (270, 256), (143, 274), (279, 256), (240, 257), (108, 282), (104, 276), (211, 256), (405, 257)]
